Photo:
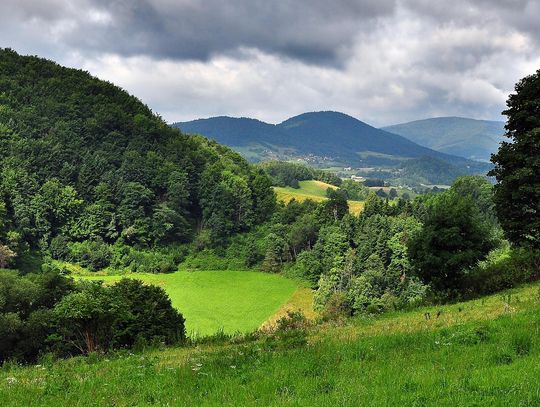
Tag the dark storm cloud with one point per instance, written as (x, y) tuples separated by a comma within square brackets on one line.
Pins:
[(519, 15), (382, 61), (309, 30)]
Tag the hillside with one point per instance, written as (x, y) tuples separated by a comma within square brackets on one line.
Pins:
[(82, 159), (318, 137), (464, 137), (482, 352)]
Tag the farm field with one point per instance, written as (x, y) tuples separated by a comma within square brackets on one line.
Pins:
[(482, 352), (314, 190), (232, 301)]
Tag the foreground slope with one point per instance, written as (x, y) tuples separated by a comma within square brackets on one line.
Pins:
[(482, 352), (469, 138)]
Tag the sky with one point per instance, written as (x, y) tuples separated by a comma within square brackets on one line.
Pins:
[(382, 61)]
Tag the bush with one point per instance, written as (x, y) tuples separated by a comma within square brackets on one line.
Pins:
[(504, 268), (336, 307), (290, 332), (92, 254), (59, 248)]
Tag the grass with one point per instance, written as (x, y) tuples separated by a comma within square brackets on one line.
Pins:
[(314, 190), (483, 352), (232, 301), (301, 300)]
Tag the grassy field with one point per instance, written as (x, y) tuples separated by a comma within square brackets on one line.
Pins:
[(212, 300), (483, 352), (314, 190)]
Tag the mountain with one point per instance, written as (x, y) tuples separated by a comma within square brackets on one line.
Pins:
[(319, 137), (468, 138)]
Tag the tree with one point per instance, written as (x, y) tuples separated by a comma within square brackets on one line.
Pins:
[(336, 205), (6, 256), (480, 191), (151, 316), (454, 237), (303, 233), (86, 318), (517, 166), (276, 253)]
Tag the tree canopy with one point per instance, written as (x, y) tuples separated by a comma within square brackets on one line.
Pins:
[(83, 159), (517, 165)]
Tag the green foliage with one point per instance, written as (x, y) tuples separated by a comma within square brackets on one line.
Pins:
[(517, 165), (285, 174), (151, 317), (26, 319), (48, 312), (83, 159), (430, 170), (503, 268), (355, 191), (454, 238)]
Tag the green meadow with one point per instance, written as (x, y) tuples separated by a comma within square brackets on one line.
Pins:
[(211, 301), (314, 190), (484, 352)]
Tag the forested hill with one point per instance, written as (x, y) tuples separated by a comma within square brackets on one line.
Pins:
[(337, 136), (82, 159), (469, 138)]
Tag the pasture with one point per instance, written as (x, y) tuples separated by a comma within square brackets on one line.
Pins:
[(314, 190), (232, 301)]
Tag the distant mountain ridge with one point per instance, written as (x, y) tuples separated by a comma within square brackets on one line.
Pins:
[(464, 137), (331, 136)]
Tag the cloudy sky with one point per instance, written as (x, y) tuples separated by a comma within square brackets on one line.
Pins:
[(383, 61)]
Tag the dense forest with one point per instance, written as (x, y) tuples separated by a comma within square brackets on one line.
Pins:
[(84, 161)]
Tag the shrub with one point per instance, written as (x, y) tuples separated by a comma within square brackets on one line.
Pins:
[(93, 254), (336, 307), (59, 248), (290, 332), (504, 268)]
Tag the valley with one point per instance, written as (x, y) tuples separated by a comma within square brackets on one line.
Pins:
[(314, 190), (320, 261), (331, 139)]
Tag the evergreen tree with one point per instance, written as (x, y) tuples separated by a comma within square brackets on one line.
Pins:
[(517, 166)]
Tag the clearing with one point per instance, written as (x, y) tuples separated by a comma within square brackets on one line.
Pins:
[(314, 190), (232, 301)]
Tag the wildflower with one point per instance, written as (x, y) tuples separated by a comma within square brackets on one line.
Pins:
[(11, 380), (233, 367)]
